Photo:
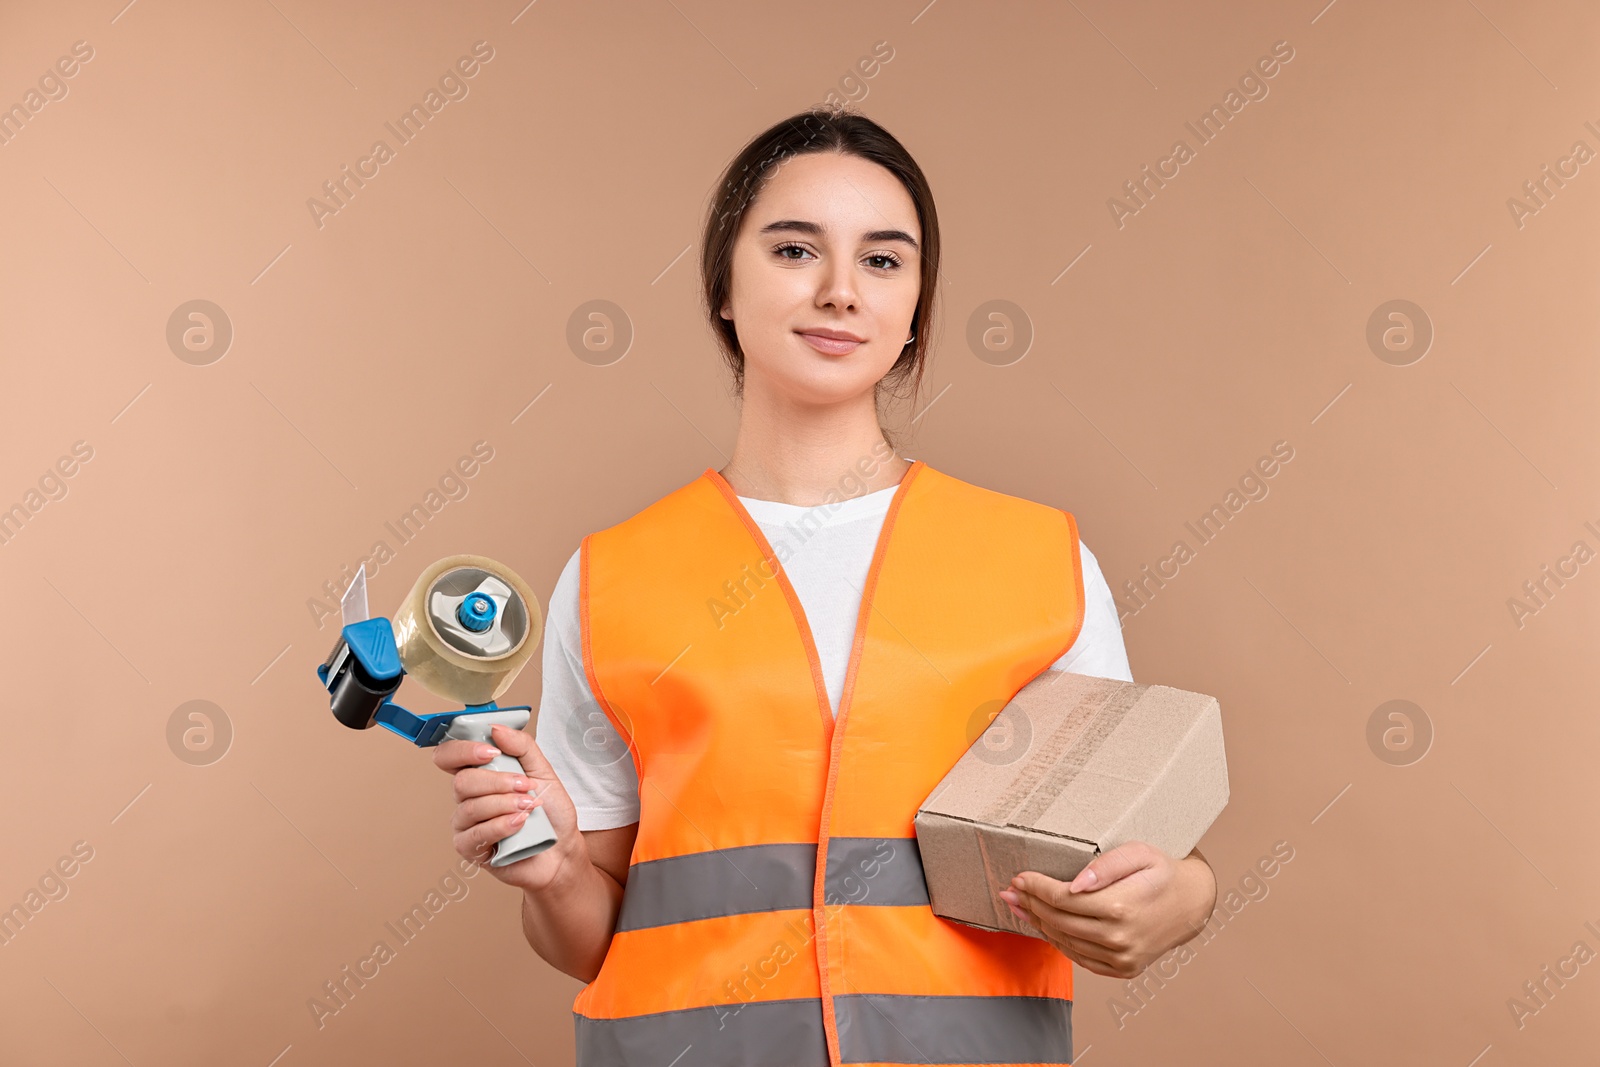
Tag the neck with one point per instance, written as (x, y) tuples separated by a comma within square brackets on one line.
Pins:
[(810, 455)]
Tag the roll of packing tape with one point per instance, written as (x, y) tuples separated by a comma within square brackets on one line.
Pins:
[(467, 627)]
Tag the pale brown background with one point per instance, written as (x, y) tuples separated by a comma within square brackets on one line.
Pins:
[(370, 353)]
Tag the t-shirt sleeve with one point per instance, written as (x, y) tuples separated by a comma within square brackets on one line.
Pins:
[(1099, 650), (588, 755)]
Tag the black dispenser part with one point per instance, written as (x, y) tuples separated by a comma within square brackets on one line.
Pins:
[(355, 695)]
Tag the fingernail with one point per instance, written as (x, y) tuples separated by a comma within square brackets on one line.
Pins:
[(1009, 896), (488, 753), (525, 802), (1018, 912), (1086, 880), (518, 817), (522, 783)]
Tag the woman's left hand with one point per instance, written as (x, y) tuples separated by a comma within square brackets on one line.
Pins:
[(1125, 910)]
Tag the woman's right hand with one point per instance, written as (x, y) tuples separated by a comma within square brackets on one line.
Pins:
[(491, 805)]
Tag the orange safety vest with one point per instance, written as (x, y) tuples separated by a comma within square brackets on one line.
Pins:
[(775, 912)]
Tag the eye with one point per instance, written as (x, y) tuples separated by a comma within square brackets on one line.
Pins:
[(787, 247), (893, 260)]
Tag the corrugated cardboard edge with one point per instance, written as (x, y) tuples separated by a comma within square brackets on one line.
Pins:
[(961, 867), (1185, 798)]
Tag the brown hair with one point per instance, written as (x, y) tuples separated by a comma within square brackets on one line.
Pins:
[(818, 129)]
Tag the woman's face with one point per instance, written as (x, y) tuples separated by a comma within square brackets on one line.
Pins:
[(830, 245)]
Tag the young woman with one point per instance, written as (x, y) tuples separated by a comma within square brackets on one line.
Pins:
[(751, 685)]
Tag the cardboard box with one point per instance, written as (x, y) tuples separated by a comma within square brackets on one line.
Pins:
[(1072, 767)]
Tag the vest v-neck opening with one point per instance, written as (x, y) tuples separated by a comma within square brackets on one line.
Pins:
[(833, 729), (832, 513), (824, 706)]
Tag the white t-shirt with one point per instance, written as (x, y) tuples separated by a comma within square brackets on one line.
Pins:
[(830, 556)]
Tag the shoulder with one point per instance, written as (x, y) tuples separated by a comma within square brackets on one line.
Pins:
[(664, 525), (962, 493), (1099, 649), (561, 614), (997, 521), (567, 581)]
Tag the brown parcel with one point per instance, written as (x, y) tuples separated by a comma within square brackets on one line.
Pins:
[(1087, 764)]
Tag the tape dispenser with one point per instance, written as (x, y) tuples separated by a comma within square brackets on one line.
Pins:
[(465, 630)]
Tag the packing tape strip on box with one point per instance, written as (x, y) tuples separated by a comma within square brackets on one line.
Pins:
[(1061, 756)]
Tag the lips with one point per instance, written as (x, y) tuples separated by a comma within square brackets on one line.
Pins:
[(830, 342)]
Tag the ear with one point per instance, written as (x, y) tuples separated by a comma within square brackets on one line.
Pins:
[(727, 313)]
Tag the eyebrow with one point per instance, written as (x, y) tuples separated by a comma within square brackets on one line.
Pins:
[(815, 230)]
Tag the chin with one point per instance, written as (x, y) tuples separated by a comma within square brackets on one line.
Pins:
[(819, 381), (833, 385)]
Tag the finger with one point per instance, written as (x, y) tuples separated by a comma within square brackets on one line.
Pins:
[(479, 858), (470, 813), (473, 842), (480, 781), (1119, 863), (1081, 950), (452, 755), (1056, 893), (1134, 859), (520, 745), (1085, 953), (1087, 928)]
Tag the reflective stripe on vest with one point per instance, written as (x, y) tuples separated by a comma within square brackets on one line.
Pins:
[(873, 1028), (775, 910), (732, 881)]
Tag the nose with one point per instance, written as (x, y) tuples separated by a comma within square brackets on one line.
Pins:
[(838, 286)]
